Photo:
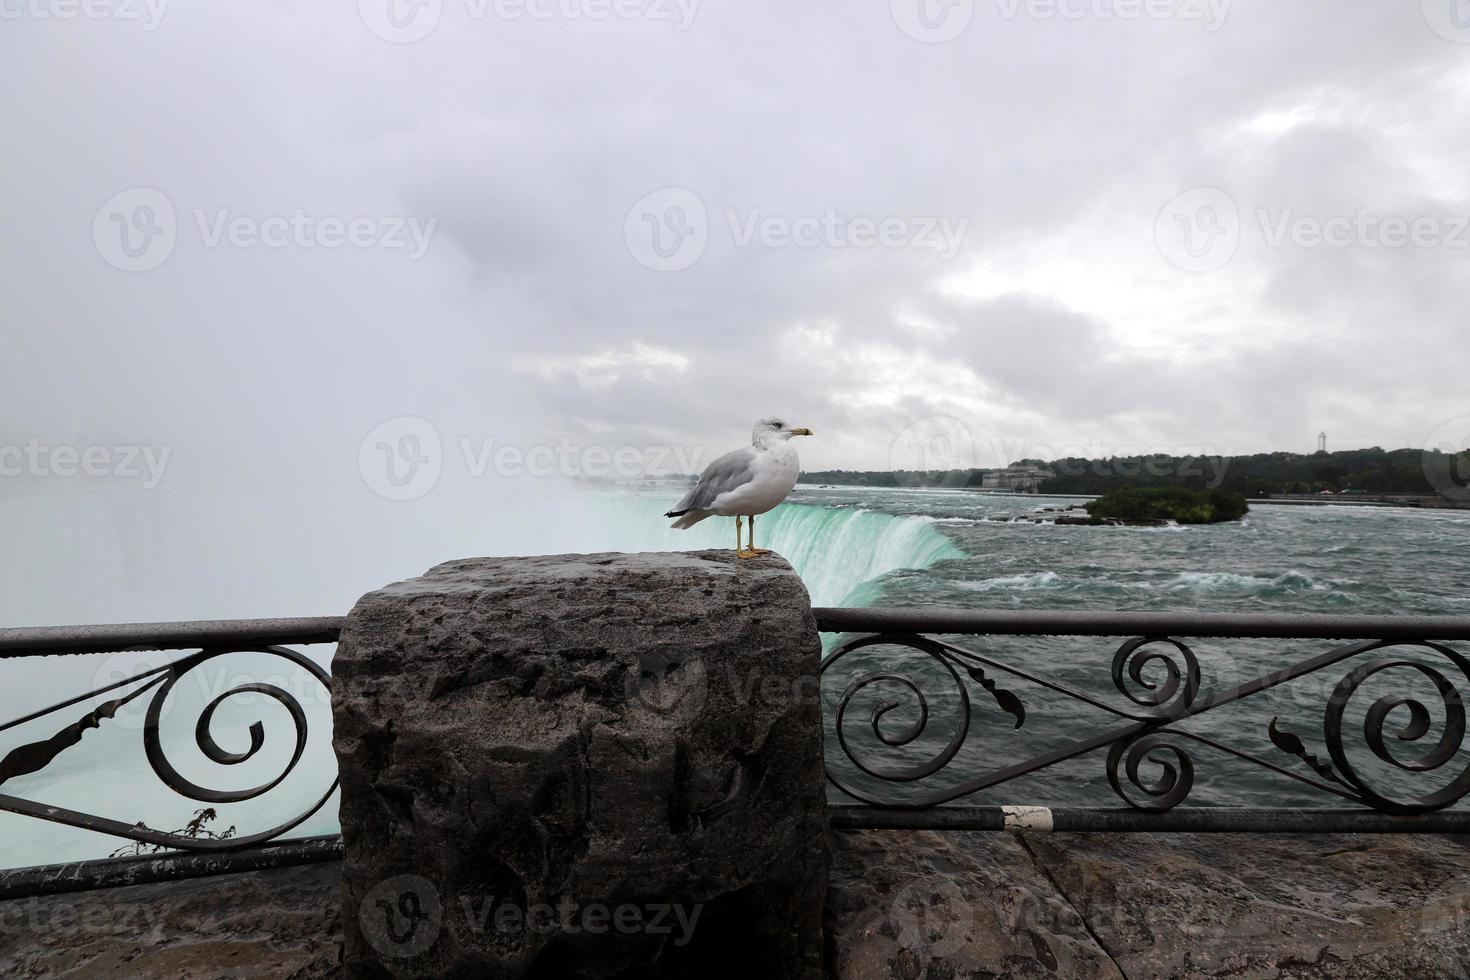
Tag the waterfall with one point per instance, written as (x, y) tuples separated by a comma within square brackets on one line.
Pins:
[(842, 554), (839, 552)]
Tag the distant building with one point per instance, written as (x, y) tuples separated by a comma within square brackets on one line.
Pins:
[(1020, 477)]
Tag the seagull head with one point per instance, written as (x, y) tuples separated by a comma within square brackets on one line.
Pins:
[(775, 429)]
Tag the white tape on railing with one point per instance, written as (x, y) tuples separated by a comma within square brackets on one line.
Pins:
[(1027, 818)]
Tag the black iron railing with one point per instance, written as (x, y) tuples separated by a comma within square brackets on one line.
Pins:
[(900, 763), (897, 762), (63, 725)]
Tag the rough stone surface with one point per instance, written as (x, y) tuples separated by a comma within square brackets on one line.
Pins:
[(1240, 905), (928, 905), (267, 924), (939, 906), (911, 904), (532, 741)]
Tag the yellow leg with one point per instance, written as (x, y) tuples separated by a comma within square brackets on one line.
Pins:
[(753, 549), (740, 552)]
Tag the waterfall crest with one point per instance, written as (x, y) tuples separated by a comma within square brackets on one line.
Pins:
[(839, 552)]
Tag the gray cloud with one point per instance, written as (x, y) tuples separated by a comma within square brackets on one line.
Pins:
[(1059, 321)]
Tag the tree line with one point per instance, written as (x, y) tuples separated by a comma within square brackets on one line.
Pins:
[(1370, 471)]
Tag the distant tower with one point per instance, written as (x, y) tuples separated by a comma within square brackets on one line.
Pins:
[(1322, 442)]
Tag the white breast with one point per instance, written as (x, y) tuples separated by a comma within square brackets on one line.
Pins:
[(776, 470)]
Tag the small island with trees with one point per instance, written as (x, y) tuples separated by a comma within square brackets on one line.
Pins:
[(1153, 506)]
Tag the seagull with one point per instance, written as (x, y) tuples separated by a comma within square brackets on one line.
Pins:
[(746, 482)]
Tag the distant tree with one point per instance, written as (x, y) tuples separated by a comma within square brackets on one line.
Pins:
[(1372, 470), (1171, 504)]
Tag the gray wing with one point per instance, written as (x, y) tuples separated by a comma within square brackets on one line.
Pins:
[(734, 469)]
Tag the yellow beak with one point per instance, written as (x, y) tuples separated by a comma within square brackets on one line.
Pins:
[(801, 432)]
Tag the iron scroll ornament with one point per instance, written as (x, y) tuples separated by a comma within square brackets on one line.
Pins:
[(1151, 731), (36, 756)]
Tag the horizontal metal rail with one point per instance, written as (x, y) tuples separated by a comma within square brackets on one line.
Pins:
[(151, 687), (1234, 625), (1192, 820), (902, 698), (1146, 726), (56, 640), (77, 876)]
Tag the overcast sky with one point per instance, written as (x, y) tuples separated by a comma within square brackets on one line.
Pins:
[(254, 235)]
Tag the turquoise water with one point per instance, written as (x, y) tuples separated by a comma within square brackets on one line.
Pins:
[(1330, 559), (843, 554), (1280, 559), (842, 549), (862, 547)]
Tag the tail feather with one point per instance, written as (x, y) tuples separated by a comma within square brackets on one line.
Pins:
[(687, 518)]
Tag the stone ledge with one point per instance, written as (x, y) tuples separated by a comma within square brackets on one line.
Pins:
[(911, 904), (285, 922), (1059, 905), (595, 734), (923, 904)]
